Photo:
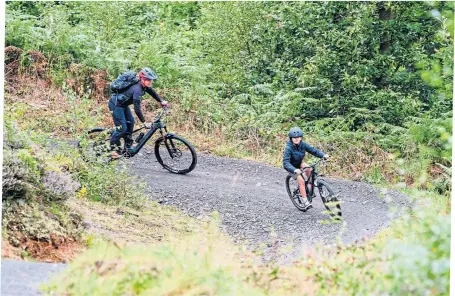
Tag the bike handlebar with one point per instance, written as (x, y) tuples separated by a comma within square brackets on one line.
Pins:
[(158, 117), (313, 165)]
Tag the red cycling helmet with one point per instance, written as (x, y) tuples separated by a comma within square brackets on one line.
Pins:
[(146, 73)]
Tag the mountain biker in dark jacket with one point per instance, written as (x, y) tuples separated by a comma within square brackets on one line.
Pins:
[(293, 162), (121, 113)]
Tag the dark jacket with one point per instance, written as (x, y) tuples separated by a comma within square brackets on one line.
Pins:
[(294, 154), (133, 95)]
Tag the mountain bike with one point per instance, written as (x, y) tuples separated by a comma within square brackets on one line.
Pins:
[(173, 152), (327, 194)]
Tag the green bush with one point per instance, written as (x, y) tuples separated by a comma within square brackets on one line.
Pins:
[(420, 261), (59, 185), (21, 171), (111, 184), (33, 196), (18, 181), (39, 221)]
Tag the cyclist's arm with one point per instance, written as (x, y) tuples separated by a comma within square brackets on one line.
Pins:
[(154, 95), (313, 151), (287, 161), (137, 105)]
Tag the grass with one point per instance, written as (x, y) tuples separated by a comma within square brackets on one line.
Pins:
[(151, 224), (197, 265)]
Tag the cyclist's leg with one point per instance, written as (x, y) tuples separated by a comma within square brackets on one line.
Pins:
[(118, 116), (302, 189), (130, 127), (307, 172)]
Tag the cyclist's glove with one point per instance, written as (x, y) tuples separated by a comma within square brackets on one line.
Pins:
[(298, 171), (147, 125), (164, 104)]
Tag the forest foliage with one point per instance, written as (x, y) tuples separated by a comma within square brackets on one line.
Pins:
[(371, 83), (375, 72)]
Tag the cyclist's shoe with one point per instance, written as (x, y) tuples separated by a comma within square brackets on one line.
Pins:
[(306, 204), (116, 151), (115, 155)]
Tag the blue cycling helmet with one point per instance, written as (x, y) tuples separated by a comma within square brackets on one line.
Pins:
[(147, 74), (295, 132)]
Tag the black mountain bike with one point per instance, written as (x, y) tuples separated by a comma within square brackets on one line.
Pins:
[(328, 196), (174, 153)]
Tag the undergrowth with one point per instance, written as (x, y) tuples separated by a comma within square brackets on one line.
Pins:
[(411, 257)]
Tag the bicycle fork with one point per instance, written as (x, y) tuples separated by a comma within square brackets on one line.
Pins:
[(169, 149)]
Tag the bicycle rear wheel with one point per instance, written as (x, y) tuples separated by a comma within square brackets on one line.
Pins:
[(292, 186), (175, 154), (95, 147), (329, 198)]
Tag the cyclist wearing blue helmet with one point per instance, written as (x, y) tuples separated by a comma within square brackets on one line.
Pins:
[(293, 162), (121, 113)]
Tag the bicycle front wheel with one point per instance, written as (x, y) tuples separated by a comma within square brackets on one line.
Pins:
[(329, 198), (175, 154)]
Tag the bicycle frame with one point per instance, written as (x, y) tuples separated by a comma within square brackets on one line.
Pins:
[(311, 179), (157, 125)]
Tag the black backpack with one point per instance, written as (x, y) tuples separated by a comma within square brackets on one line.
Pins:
[(124, 81)]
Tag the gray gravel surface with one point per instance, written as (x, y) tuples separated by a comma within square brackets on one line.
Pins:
[(24, 278), (252, 200)]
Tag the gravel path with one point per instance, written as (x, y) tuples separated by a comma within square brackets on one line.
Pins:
[(24, 278), (251, 198)]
